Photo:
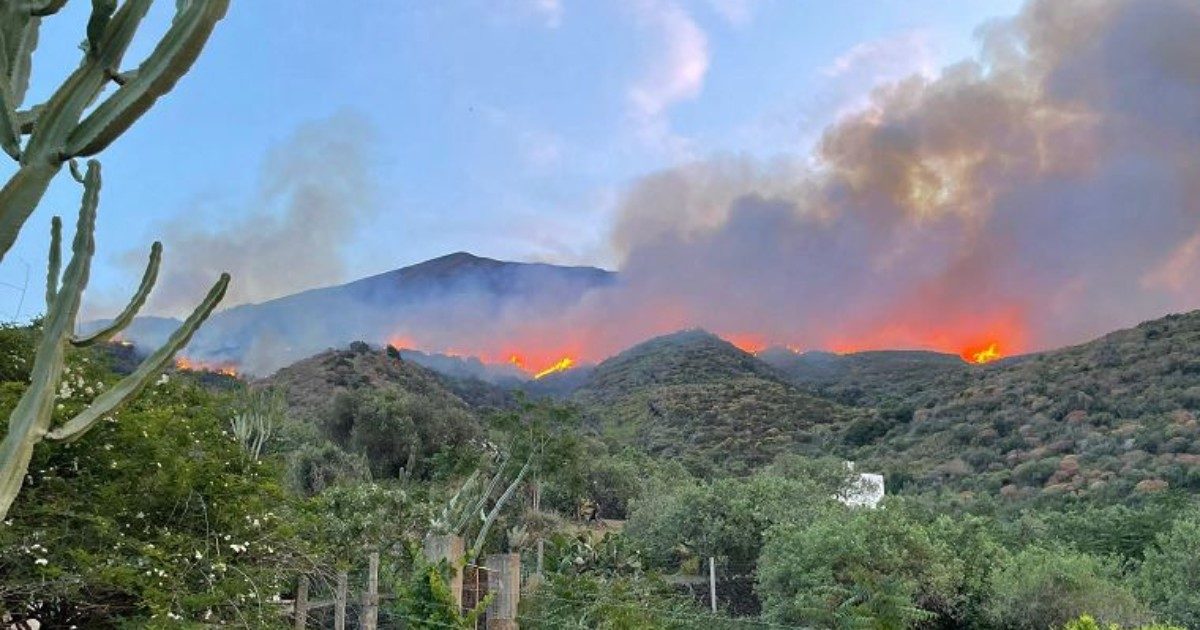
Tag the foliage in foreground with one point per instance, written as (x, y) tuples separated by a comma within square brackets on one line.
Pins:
[(157, 513)]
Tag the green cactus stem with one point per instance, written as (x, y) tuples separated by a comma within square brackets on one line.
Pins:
[(30, 421), (55, 129), (41, 138)]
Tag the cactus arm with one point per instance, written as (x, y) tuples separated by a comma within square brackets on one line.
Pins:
[(477, 506), (63, 110), (135, 304), (131, 385), (30, 419), (102, 12), (10, 126), (55, 264), (46, 7), (20, 58), (18, 199), (43, 153), (491, 517), (157, 75)]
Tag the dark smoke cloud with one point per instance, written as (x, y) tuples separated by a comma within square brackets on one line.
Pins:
[(314, 192), (1041, 194)]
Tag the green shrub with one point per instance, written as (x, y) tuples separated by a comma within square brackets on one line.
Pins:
[(846, 567), (1044, 588), (1169, 578)]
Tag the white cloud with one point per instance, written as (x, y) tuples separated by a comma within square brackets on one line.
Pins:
[(675, 74), (882, 58)]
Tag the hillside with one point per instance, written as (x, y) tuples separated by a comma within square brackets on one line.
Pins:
[(1103, 420), (872, 378), (310, 385), (693, 396), (411, 302)]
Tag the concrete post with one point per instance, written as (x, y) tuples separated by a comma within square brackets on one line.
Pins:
[(712, 583), (301, 603), (451, 549), (504, 585), (339, 601), (370, 615)]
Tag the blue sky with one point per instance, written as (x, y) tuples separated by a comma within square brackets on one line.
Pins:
[(507, 128)]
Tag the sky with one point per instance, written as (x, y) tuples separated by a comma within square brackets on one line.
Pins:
[(310, 146)]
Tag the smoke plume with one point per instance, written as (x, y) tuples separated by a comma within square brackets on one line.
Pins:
[(313, 193), (1038, 195)]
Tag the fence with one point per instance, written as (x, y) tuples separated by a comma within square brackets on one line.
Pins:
[(499, 576)]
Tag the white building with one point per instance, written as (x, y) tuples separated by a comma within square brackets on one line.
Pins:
[(865, 491)]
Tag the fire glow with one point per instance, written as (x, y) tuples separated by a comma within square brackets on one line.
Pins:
[(562, 365), (191, 365), (986, 354)]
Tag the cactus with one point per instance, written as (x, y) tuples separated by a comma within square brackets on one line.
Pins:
[(471, 500), (55, 129), (254, 424), (44, 137)]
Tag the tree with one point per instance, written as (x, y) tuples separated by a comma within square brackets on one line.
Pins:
[(58, 132), (397, 431), (1169, 578), (1045, 588), (855, 567)]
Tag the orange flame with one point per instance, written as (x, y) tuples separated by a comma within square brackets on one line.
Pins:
[(747, 342), (982, 355), (561, 365), (191, 365)]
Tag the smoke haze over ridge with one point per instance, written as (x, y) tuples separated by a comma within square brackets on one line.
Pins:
[(1040, 194)]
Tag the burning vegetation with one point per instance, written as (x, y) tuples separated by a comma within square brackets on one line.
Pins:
[(192, 365)]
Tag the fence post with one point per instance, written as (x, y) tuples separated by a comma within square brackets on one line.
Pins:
[(451, 549), (712, 583), (301, 603), (370, 615), (541, 556), (339, 601), (504, 585)]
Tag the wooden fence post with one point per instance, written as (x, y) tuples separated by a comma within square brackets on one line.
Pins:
[(301, 603), (504, 585), (339, 601), (370, 614), (451, 549)]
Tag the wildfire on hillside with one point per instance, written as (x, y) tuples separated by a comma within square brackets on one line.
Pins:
[(747, 342), (981, 355), (192, 365), (563, 364)]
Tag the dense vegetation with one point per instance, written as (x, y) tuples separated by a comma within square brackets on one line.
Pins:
[(696, 397), (170, 513)]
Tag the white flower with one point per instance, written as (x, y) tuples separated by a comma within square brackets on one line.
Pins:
[(199, 556), (41, 562)]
